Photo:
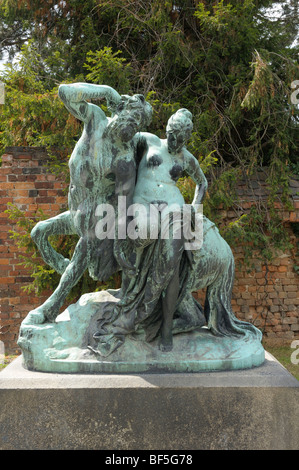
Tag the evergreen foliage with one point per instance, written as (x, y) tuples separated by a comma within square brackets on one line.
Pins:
[(229, 62)]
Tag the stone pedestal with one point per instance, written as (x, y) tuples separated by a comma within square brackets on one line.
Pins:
[(243, 409)]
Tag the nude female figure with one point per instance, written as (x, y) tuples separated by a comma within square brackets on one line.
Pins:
[(212, 266), (101, 166), (162, 163)]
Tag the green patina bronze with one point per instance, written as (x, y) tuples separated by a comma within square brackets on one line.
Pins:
[(153, 322)]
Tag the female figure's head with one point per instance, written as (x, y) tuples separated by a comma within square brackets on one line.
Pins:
[(178, 130)]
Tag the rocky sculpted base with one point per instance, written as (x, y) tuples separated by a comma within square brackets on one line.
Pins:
[(67, 346)]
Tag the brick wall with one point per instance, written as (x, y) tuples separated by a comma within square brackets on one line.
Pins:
[(266, 296), (25, 182)]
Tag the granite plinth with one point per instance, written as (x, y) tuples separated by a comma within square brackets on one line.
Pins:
[(243, 409)]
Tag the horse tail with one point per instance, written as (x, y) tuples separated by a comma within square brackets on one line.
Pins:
[(218, 311)]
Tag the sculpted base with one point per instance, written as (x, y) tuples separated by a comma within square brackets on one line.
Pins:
[(67, 346)]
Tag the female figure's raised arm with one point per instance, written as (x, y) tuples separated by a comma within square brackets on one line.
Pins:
[(74, 96)]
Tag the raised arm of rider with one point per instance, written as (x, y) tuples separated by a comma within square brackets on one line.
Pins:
[(74, 96)]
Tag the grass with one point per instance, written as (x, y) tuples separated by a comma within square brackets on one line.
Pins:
[(7, 360), (283, 355)]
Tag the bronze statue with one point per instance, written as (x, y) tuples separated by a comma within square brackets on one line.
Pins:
[(126, 208)]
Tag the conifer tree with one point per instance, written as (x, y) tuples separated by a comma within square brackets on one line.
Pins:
[(232, 63)]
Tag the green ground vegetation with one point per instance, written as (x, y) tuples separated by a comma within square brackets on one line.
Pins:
[(283, 355), (6, 361)]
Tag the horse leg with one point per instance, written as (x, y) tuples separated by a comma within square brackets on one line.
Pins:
[(59, 225), (49, 310)]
